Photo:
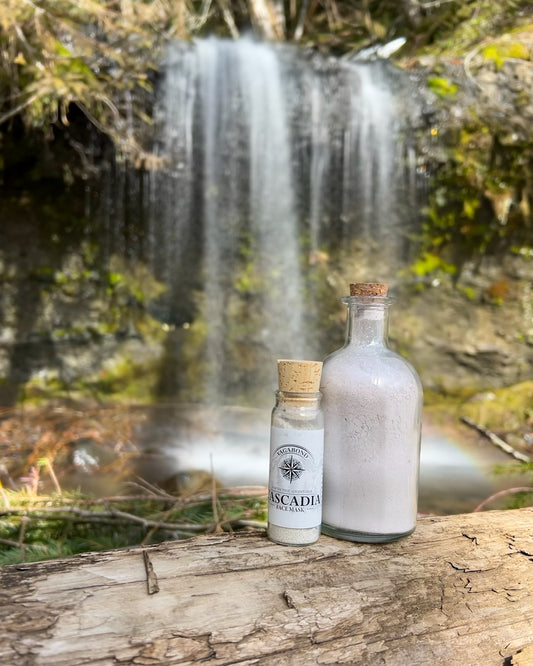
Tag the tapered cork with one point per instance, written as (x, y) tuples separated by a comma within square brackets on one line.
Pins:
[(369, 289), (299, 376)]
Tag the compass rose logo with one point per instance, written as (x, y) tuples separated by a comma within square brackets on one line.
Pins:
[(291, 469)]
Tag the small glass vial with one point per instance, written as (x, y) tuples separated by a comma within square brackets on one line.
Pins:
[(372, 400), (296, 455)]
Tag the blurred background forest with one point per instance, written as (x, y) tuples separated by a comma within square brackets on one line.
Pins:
[(187, 189)]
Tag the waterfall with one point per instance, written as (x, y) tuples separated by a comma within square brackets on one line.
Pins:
[(269, 156)]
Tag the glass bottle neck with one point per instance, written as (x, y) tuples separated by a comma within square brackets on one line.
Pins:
[(367, 322), (308, 399)]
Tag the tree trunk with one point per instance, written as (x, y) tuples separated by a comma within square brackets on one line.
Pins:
[(457, 591)]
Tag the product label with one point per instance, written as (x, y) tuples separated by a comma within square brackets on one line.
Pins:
[(295, 481)]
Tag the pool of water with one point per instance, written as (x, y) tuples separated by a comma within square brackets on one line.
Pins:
[(456, 473)]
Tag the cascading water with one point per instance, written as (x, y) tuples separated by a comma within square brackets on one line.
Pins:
[(270, 156)]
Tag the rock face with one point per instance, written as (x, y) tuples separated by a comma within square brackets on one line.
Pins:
[(465, 311), (72, 320), (479, 148), (469, 323), (472, 335)]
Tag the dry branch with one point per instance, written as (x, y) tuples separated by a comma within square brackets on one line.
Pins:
[(497, 441)]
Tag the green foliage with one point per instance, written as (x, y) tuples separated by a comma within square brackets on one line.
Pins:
[(520, 499), (481, 194), (458, 27), (429, 264), (524, 251), (121, 379), (479, 199), (38, 528), (101, 56), (506, 47), (132, 281), (442, 87), (95, 54), (247, 282), (468, 292)]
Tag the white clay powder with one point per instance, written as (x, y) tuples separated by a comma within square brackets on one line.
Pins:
[(371, 405)]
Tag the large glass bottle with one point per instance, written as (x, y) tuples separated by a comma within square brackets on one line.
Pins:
[(296, 454), (372, 402)]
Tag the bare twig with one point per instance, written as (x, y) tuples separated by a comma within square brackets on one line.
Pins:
[(258, 524), (202, 15), (23, 524), (145, 485), (497, 441), (5, 498), (190, 527), (466, 64), (502, 493), (152, 583), (228, 18), (302, 17), (214, 500), (434, 3), (17, 109), (148, 535), (240, 492), (71, 513), (53, 476)]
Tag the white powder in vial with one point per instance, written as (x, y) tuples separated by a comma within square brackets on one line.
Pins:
[(290, 536), (296, 455), (295, 484)]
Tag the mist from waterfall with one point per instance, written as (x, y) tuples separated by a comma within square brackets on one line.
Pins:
[(271, 156)]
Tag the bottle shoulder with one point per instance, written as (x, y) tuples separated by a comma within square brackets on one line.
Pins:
[(352, 365), (378, 353)]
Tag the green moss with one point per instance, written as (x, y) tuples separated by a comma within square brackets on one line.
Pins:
[(42, 387), (129, 288), (442, 87), (123, 379), (194, 358), (468, 292), (66, 333), (126, 280), (524, 251), (472, 207), (463, 26), (499, 52), (428, 265), (247, 282), (504, 409)]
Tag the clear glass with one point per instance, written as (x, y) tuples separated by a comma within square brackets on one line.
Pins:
[(298, 411), (372, 402), (296, 468)]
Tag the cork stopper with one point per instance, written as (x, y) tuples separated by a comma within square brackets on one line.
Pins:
[(368, 289), (299, 376)]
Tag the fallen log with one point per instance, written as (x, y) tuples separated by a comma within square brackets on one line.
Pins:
[(457, 591)]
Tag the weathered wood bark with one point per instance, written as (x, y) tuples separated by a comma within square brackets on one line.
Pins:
[(458, 591)]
